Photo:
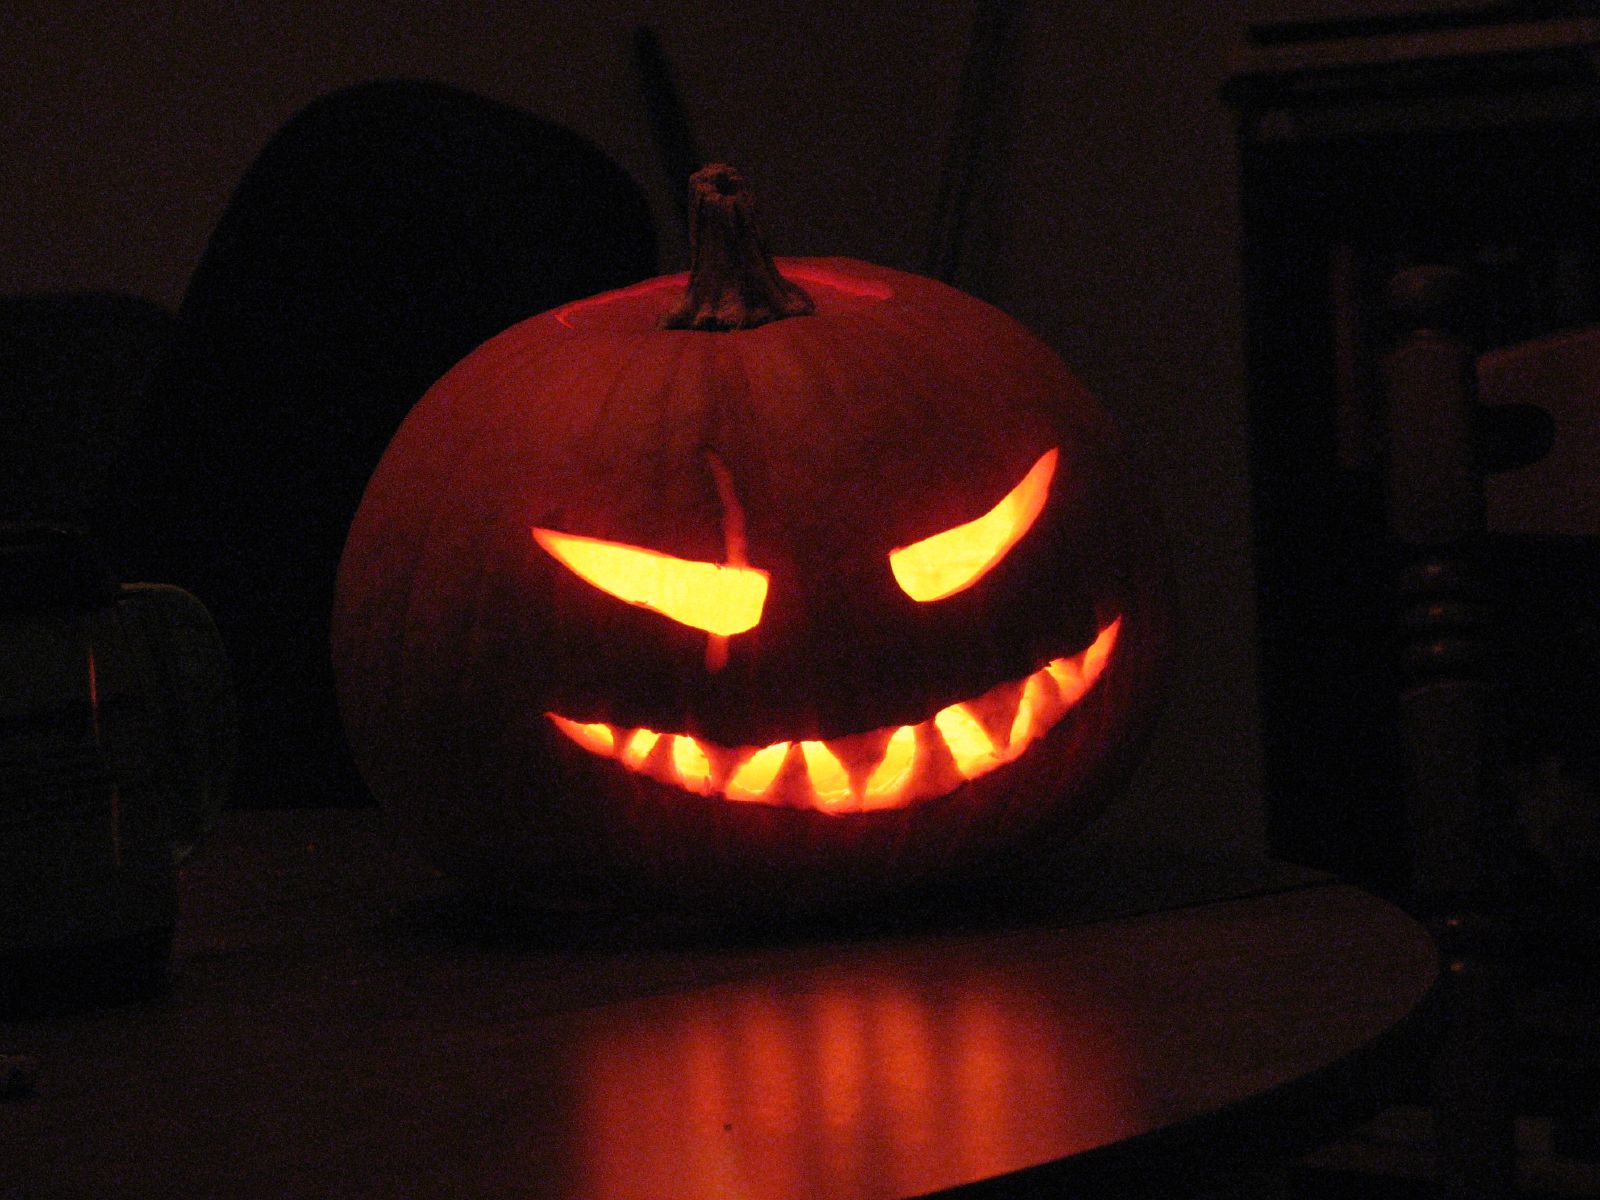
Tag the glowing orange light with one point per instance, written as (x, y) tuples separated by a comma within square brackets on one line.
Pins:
[(830, 783), (968, 742), (892, 775), (597, 737), (1026, 725), (756, 774), (1069, 676), (893, 1077), (1095, 656), (715, 597), (639, 746), (903, 774), (691, 763), (949, 562)]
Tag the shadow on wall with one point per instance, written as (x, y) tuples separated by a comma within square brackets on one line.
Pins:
[(382, 234)]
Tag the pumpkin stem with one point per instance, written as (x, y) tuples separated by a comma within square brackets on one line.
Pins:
[(733, 282)]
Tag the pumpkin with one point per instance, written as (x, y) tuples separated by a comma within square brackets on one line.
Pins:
[(797, 582)]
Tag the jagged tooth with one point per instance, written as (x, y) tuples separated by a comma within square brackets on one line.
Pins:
[(937, 771), (961, 742), (723, 762), (1094, 658), (792, 787), (996, 711), (1068, 676), (860, 753)]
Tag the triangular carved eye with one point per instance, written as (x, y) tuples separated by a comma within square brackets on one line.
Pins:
[(715, 597), (949, 562)]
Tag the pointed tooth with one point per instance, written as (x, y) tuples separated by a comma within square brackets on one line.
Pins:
[(859, 753), (937, 772), (1094, 658), (792, 787), (716, 652), (1076, 675), (1068, 676), (724, 762), (996, 711)]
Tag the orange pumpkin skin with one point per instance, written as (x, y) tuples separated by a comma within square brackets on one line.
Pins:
[(899, 409)]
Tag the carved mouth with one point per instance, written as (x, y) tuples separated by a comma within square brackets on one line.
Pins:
[(861, 772)]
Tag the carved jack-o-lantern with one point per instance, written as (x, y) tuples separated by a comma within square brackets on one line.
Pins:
[(827, 584)]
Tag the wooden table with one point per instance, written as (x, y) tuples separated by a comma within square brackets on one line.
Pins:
[(337, 1027)]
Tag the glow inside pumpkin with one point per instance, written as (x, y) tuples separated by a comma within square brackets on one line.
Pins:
[(954, 560), (719, 598), (883, 768), (727, 598)]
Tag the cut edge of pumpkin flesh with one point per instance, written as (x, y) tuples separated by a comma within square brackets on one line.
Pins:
[(882, 769)]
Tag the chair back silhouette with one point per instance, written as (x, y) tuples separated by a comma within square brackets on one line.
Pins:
[(1473, 451)]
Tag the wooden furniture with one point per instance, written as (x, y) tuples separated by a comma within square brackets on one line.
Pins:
[(1428, 680), (1364, 151), (1469, 452), (1459, 820), (340, 1022)]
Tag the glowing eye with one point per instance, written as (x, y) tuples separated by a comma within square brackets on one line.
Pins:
[(948, 562), (714, 597)]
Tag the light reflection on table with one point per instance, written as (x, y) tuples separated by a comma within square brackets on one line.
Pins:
[(876, 1081), (320, 1041)]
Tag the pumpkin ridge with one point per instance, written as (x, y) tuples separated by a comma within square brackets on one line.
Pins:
[(433, 559), (414, 557), (942, 358), (914, 382)]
